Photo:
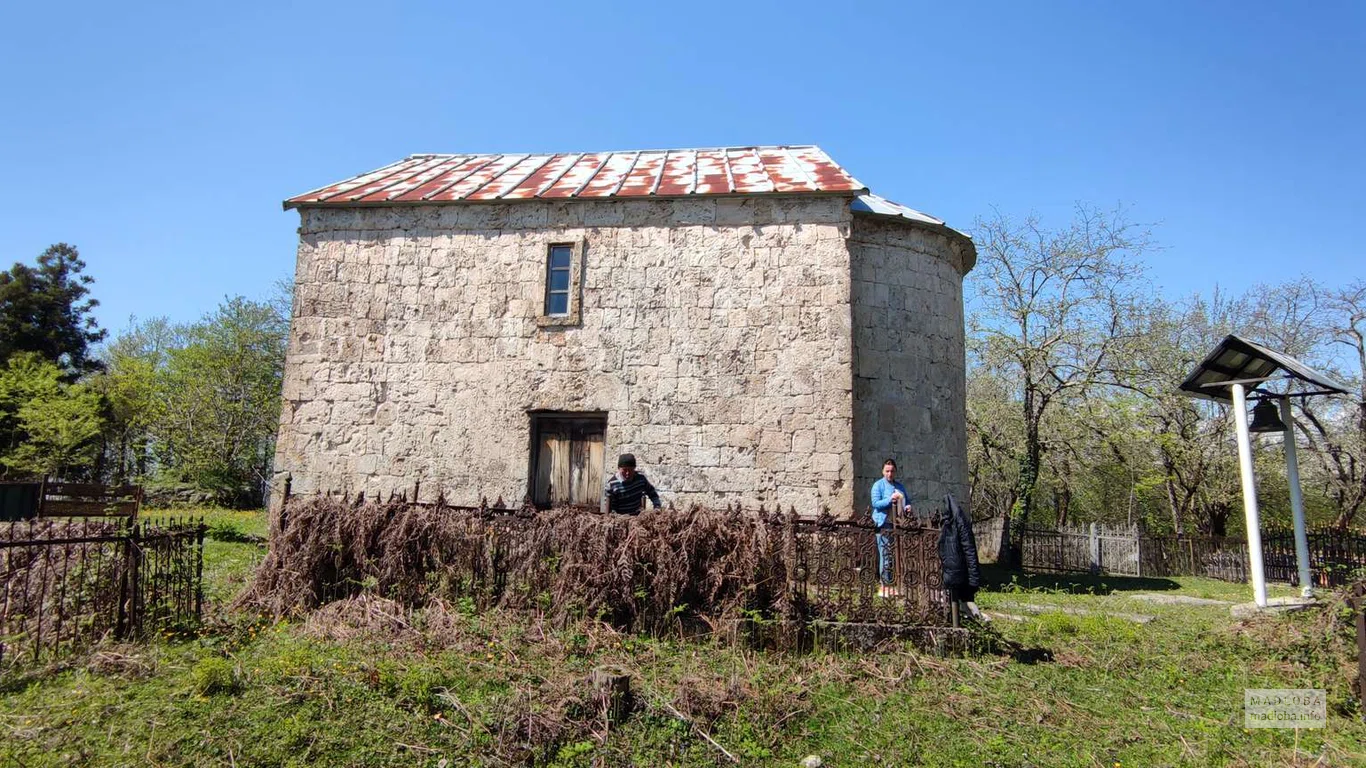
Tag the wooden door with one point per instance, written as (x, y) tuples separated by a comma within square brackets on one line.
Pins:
[(568, 462)]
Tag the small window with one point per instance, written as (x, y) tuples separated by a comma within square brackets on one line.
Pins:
[(563, 285), (559, 267)]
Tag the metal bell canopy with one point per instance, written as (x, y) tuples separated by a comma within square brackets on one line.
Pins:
[(1239, 361)]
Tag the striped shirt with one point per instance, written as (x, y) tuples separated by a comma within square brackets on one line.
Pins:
[(624, 496)]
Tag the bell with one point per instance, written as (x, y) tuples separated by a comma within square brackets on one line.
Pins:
[(1266, 418)]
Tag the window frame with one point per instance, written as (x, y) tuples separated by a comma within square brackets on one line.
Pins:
[(574, 291)]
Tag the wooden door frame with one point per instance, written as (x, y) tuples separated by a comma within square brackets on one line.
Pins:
[(536, 418)]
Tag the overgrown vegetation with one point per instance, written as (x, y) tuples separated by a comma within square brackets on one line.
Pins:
[(638, 572), (370, 682)]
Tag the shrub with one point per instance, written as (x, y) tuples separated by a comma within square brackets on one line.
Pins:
[(214, 675)]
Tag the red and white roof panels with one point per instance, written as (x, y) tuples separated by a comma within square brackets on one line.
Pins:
[(599, 175)]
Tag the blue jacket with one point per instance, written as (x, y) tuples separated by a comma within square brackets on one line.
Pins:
[(882, 499)]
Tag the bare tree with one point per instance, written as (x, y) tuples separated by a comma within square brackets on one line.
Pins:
[(1343, 446), (993, 440), (1191, 438), (1325, 328), (1053, 311)]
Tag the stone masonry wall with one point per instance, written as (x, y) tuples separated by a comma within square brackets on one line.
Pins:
[(909, 364), (715, 334)]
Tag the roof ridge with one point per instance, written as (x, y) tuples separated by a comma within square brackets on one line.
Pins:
[(417, 155)]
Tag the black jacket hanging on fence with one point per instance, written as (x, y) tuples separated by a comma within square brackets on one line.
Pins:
[(958, 551)]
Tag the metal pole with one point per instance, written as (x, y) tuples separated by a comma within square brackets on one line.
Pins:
[(1292, 474), (1254, 523)]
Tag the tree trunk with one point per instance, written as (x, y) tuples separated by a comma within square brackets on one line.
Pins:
[(1029, 464), (1177, 523)]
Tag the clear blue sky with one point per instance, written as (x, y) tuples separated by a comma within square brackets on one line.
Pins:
[(161, 141)]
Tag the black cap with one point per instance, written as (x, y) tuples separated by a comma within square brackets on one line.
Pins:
[(626, 460)]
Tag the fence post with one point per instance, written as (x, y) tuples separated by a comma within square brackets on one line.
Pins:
[(284, 504), (199, 571), (121, 620), (1012, 544), (1138, 530), (138, 599), (1361, 645), (1095, 551), (790, 561), (128, 585)]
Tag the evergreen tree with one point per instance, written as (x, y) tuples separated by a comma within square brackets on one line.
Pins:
[(46, 309), (49, 427)]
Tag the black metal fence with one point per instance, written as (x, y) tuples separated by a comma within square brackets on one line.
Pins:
[(1335, 558), (65, 585), (837, 571)]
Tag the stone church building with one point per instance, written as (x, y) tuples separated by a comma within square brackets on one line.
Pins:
[(752, 323)]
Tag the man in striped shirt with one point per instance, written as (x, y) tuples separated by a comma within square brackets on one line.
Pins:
[(627, 487)]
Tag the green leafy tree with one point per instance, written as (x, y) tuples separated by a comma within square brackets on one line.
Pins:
[(220, 400), (46, 309), (995, 438), (53, 426), (1191, 439), (135, 363)]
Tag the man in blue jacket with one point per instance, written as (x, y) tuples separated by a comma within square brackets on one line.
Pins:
[(888, 496)]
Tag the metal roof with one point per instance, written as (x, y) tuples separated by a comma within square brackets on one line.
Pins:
[(1236, 359), (664, 173), (871, 203)]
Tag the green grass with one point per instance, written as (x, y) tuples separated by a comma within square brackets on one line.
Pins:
[(493, 689), (233, 545)]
